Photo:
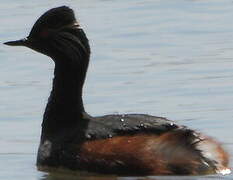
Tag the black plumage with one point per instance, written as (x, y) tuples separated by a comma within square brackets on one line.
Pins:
[(69, 133)]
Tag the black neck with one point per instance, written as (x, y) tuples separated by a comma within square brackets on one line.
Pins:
[(68, 86), (65, 105), (64, 111)]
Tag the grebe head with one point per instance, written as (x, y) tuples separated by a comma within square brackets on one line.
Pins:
[(56, 34)]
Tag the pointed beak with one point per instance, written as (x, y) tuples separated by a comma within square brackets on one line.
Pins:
[(21, 42)]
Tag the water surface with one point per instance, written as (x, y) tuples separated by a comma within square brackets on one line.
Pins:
[(166, 58)]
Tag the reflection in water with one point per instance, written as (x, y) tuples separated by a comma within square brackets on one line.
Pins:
[(54, 176), (76, 176), (87, 176), (81, 175)]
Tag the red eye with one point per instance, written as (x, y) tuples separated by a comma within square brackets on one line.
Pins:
[(44, 33)]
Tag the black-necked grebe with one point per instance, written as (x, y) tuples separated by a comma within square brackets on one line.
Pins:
[(130, 144)]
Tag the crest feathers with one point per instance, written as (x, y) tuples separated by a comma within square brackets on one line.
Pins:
[(54, 19)]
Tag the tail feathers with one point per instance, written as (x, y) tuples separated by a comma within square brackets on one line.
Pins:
[(187, 152), (214, 155)]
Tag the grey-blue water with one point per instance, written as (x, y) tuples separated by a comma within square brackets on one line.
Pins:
[(171, 58)]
